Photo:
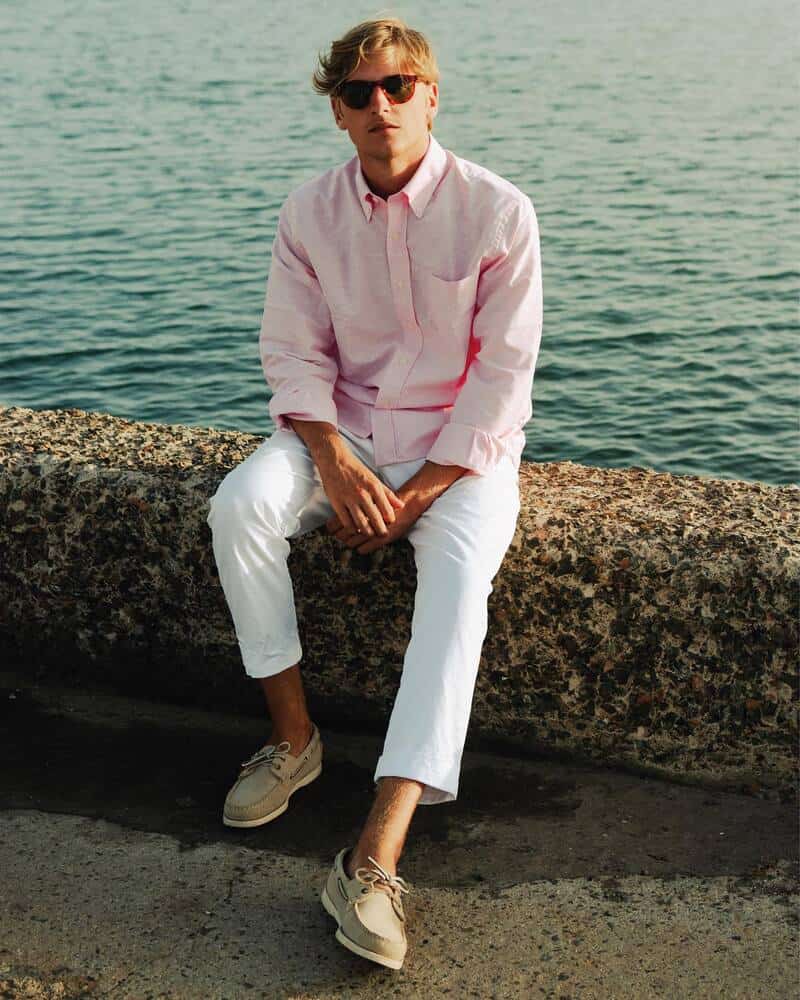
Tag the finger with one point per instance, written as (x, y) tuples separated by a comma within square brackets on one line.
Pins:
[(352, 537), (393, 532), (353, 540), (371, 545), (360, 521), (374, 512), (345, 520), (376, 540), (386, 509)]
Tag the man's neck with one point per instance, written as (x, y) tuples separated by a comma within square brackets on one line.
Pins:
[(387, 177)]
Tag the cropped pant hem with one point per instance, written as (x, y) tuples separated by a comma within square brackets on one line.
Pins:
[(259, 664), (440, 777)]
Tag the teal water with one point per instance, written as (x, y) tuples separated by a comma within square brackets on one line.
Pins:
[(145, 150)]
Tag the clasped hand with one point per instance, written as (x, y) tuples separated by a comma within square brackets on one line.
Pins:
[(368, 513)]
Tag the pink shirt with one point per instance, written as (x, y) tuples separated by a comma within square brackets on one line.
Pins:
[(416, 319)]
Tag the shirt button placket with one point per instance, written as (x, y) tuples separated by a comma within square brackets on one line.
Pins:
[(400, 268), (400, 274)]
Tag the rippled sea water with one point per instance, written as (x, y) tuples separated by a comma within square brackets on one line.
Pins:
[(145, 151)]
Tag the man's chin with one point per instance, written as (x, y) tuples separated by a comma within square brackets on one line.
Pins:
[(380, 150)]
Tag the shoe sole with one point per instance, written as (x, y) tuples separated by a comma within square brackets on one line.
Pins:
[(275, 812), (342, 938)]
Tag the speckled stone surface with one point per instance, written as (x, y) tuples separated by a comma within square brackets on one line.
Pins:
[(639, 618)]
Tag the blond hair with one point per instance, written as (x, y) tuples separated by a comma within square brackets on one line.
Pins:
[(413, 51)]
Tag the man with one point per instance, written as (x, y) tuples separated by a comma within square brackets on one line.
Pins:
[(401, 328)]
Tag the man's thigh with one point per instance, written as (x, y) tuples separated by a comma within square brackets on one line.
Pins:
[(282, 479), (278, 483), (472, 523)]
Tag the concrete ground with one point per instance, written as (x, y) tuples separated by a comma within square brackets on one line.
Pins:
[(542, 880)]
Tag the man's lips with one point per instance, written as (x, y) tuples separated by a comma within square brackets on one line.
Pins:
[(382, 128)]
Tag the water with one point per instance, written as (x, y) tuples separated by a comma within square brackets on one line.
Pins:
[(145, 150)]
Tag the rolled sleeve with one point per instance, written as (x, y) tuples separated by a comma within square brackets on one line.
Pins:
[(494, 401), (296, 343)]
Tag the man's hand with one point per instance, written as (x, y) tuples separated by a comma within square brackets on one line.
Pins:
[(402, 524), (360, 499), (417, 494), (368, 513)]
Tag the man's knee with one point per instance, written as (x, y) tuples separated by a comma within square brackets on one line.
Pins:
[(244, 499), (462, 561), (456, 583)]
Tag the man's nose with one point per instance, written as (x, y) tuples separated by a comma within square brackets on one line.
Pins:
[(378, 100)]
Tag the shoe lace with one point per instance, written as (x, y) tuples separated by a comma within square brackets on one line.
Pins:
[(267, 755), (375, 873)]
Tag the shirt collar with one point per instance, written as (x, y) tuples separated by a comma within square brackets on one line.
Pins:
[(420, 186)]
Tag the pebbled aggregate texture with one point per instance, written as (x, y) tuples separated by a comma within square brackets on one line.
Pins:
[(95, 910), (640, 618)]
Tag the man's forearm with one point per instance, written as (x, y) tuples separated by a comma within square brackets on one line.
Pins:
[(325, 442), (322, 439), (429, 482)]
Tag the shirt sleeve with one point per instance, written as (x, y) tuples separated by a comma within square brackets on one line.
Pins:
[(494, 400), (296, 343)]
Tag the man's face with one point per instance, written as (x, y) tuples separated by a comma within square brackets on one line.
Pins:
[(410, 133)]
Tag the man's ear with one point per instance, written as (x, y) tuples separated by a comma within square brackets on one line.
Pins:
[(432, 104), (434, 92)]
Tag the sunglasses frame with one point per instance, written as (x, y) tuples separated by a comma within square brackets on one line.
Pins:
[(372, 84)]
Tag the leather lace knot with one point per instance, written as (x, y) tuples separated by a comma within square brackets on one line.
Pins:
[(375, 873), (266, 755)]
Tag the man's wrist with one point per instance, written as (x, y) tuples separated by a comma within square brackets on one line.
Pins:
[(322, 439), (428, 483)]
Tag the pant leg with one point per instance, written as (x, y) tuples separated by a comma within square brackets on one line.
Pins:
[(273, 495), (459, 544)]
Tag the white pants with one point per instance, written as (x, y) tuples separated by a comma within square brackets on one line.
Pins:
[(459, 544)]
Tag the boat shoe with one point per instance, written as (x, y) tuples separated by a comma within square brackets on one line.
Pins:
[(369, 911), (268, 779)]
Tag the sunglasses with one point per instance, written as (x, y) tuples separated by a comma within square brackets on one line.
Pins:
[(399, 88)]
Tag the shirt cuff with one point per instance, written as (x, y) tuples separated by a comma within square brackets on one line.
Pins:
[(304, 404), (462, 444)]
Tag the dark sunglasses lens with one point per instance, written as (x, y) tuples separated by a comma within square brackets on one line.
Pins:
[(356, 93), (399, 88)]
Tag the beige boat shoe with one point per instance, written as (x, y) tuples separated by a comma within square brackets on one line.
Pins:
[(268, 779), (368, 910)]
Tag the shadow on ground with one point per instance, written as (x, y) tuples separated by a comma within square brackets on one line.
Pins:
[(165, 769)]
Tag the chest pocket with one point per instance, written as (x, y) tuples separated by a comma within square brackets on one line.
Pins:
[(445, 307)]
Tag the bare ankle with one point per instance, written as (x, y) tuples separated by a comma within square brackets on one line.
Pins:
[(299, 737), (357, 859)]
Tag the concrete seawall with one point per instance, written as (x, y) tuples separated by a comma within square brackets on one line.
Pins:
[(640, 618)]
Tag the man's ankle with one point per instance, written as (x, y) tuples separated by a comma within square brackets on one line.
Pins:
[(299, 739), (351, 862)]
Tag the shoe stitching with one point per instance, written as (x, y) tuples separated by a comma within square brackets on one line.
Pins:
[(373, 874), (256, 804), (370, 876), (367, 935), (300, 768), (269, 754)]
